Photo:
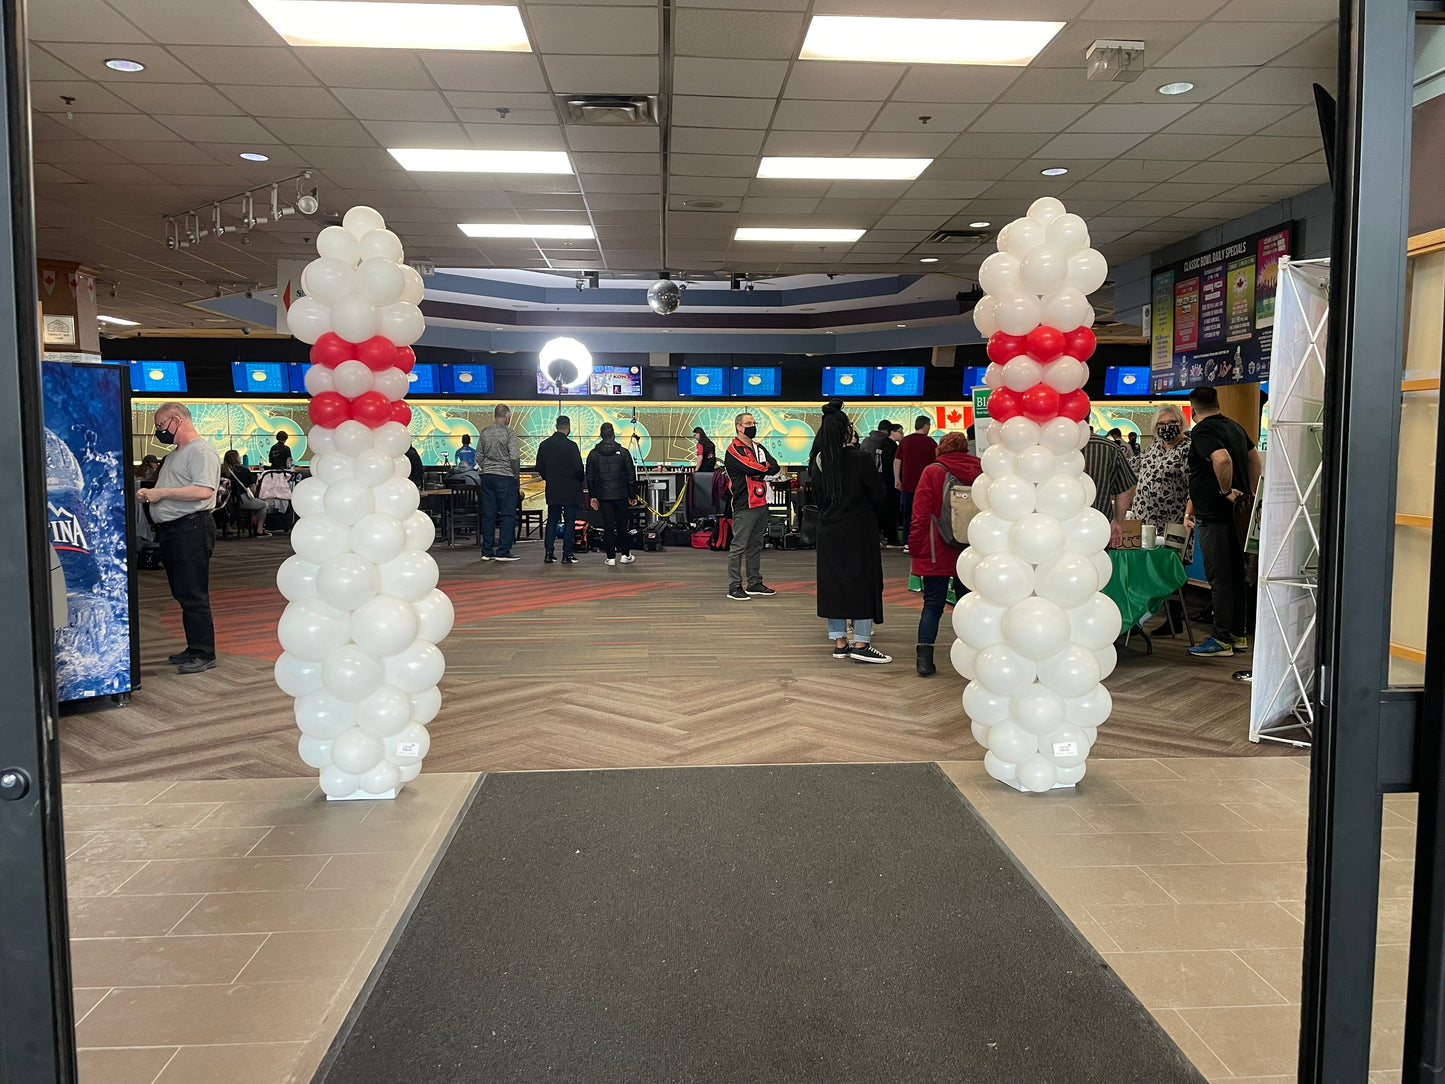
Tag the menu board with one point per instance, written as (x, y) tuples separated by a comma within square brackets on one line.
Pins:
[(1213, 314)]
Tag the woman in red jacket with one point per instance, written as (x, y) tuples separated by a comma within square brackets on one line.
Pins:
[(933, 558)]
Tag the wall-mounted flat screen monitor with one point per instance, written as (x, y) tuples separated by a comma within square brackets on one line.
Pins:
[(466, 379), (702, 381), (157, 376), (757, 381), (261, 377), (1127, 380), (847, 381), (619, 380), (898, 380), (972, 378), (425, 380), (296, 371)]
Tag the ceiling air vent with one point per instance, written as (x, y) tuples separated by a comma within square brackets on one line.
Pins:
[(609, 110), (943, 237)]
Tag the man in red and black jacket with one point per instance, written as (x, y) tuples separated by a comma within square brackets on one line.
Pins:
[(748, 465)]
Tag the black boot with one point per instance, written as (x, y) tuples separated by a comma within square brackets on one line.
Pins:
[(925, 661)]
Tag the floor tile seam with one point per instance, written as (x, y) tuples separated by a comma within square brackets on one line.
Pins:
[(266, 940), (144, 862), (108, 991), (1204, 1042), (161, 1071), (1157, 885), (156, 797), (1262, 978), (190, 909)]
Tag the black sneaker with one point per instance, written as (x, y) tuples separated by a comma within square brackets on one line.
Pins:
[(761, 589), (549, 560), (181, 656), (869, 654), (197, 665), (569, 560), (737, 594), (844, 652), (507, 557)]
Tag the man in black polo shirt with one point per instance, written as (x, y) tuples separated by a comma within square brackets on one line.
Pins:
[(1224, 470)]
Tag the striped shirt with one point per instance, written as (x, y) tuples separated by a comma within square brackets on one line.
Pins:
[(1108, 465)]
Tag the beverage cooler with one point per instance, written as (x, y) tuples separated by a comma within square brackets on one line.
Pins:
[(87, 461)]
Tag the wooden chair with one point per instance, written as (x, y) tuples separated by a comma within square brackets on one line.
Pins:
[(465, 509), (1176, 537), (529, 520)]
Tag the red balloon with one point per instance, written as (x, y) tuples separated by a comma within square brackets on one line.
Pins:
[(405, 358), (1040, 403), (329, 409), (371, 409), (1003, 347), (1003, 404), (331, 350), (1074, 405), (1080, 343), (1045, 344), (376, 353), (400, 412)]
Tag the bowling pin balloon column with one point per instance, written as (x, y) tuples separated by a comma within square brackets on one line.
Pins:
[(364, 615), (1035, 635)]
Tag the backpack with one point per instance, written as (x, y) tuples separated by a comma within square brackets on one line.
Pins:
[(956, 511), (722, 536)]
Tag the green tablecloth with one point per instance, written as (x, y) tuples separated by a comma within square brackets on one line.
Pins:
[(1142, 580)]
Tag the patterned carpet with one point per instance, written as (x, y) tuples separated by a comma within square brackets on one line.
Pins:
[(556, 667)]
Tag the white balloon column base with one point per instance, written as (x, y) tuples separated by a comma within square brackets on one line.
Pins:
[(1016, 785), (358, 795)]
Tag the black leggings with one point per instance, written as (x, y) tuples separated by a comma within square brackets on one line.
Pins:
[(614, 526)]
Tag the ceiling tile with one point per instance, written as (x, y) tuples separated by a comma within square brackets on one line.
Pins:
[(399, 133), (961, 188), (1228, 44), (582, 29), (701, 32), (707, 186), (318, 132), (950, 83), (779, 205), (602, 74), (46, 96), (519, 72), (285, 101), (835, 79), (827, 116), (619, 183), (89, 60), (81, 20), (811, 144), (1136, 169), (581, 137), (404, 105), (1305, 11), (1181, 148), (1130, 118), (148, 154), (1319, 51), (1216, 172), (617, 163), (1279, 86), (916, 144), (714, 165), (1301, 122), (1051, 86), (1214, 119), (194, 24), (1268, 149), (1145, 90), (217, 129), (1172, 190), (716, 141), (41, 65), (701, 112), (622, 201), (1028, 118), (1069, 45), (245, 64), (771, 187), (1093, 145), (702, 75), (494, 117), (506, 137), (904, 117), (1150, 9), (127, 126), (994, 145)]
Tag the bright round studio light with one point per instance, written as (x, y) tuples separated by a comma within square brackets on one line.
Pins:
[(1055, 171), (565, 362), (1176, 88)]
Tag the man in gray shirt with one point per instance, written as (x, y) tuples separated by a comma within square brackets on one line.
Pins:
[(182, 501), (499, 461)]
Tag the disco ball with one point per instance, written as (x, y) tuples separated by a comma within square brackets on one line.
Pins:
[(663, 297)]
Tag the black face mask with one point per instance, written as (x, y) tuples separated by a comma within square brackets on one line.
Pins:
[(750, 431), (165, 436), (1168, 431)]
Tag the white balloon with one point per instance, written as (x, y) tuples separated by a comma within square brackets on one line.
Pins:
[(1066, 374), (417, 668), (351, 438), (400, 466), (296, 578), (384, 626), (411, 575), (1034, 464), (983, 706), (1072, 463), (403, 324), (1020, 237), (1107, 658), (374, 467), (978, 623), (980, 733), (1010, 497), (1009, 741), (1091, 709), (397, 497), (1036, 628), (311, 629), (963, 659), (381, 244), (1069, 580), (1018, 314), (1065, 309), (1004, 579), (425, 705), (308, 319), (321, 716), (317, 539), (385, 712), (421, 532), (993, 375), (967, 562), (1071, 672), (314, 752), (1061, 496), (1085, 433), (1036, 538), (1103, 566), (1002, 770), (413, 289), (319, 379), (999, 274), (331, 466), (350, 674), (1038, 710), (1018, 433), (337, 784), (985, 316), (1059, 435), (382, 779), (393, 383), (328, 279), (378, 279), (979, 492), (408, 747), (351, 378), (988, 533), (1067, 777), (1090, 490), (297, 677), (348, 581), (1037, 775), (435, 616), (1044, 270), (361, 220), (378, 537), (997, 461), (1087, 270), (392, 438), (336, 243), (1003, 670), (1045, 209), (320, 439), (1022, 373), (355, 751), (348, 500), (356, 319), (407, 772), (309, 496), (1067, 234), (1088, 532)]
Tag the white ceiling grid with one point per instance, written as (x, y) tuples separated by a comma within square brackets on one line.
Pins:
[(1144, 169)]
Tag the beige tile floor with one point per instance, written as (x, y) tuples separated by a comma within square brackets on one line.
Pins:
[(1188, 877), (220, 930)]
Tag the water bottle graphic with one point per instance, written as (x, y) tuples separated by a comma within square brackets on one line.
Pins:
[(70, 528)]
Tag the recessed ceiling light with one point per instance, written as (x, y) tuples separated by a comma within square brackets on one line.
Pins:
[(255, 156), (927, 41), (1182, 87), (900, 325), (465, 161), (702, 204), (844, 169), (120, 64), (929, 259), (517, 229), (979, 225), (117, 320), (369, 25), (767, 233), (1054, 171)]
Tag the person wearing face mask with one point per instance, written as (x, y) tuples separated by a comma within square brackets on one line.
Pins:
[(748, 465), (181, 503), (1163, 489)]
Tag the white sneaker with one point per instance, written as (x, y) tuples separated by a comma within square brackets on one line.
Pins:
[(627, 558), (611, 560)]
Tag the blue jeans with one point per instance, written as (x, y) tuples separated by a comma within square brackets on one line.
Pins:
[(499, 510), (567, 515), (935, 597), (905, 513), (862, 629)]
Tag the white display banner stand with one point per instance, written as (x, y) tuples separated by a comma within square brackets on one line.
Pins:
[(1289, 521)]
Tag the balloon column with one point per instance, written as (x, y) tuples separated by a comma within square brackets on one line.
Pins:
[(1035, 635), (364, 615)]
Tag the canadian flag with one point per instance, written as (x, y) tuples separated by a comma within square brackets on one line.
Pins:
[(47, 279), (957, 416)]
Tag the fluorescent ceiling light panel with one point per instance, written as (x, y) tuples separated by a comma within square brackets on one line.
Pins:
[(368, 25), (117, 320), (515, 229), (767, 233), (844, 169), (464, 161), (1005, 42)]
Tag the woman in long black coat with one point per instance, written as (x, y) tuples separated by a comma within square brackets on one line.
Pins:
[(850, 497)]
